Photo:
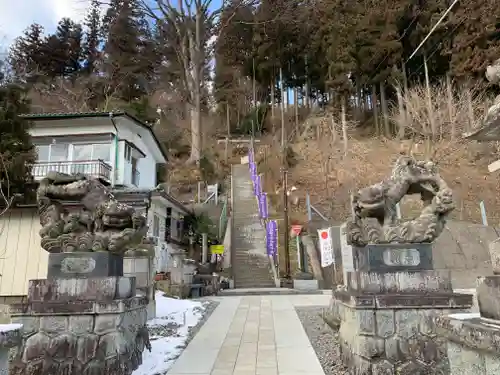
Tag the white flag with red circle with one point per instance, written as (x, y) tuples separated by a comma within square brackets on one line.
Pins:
[(326, 247)]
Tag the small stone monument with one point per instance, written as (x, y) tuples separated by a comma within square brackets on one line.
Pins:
[(85, 318), (386, 307), (474, 340)]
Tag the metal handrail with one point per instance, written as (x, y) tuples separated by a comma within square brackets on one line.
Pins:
[(90, 167), (223, 221)]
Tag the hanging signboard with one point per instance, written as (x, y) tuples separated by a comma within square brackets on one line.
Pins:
[(326, 247), (295, 231)]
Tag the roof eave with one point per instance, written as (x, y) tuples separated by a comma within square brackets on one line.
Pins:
[(61, 116)]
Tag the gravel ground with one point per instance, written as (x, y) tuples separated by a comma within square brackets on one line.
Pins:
[(323, 339)]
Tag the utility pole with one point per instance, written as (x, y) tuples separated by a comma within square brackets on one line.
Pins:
[(284, 179)]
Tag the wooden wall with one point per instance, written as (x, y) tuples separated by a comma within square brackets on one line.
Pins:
[(21, 257)]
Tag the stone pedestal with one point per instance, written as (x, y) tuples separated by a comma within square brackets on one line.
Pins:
[(180, 280), (10, 337), (474, 339), (85, 326), (84, 264), (142, 268), (386, 310)]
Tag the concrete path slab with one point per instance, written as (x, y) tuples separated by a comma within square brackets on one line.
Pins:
[(253, 335)]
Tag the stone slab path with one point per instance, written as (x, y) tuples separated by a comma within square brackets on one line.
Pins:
[(253, 335)]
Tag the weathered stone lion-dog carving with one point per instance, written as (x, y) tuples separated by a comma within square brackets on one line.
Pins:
[(374, 207), (103, 224)]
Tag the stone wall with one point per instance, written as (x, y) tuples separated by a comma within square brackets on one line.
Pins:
[(142, 268), (474, 339), (81, 326), (463, 360), (390, 341)]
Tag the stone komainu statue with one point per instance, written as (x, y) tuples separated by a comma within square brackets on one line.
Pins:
[(374, 207), (493, 76), (102, 224)]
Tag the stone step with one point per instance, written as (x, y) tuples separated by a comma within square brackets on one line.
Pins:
[(248, 234), (253, 286), (270, 291)]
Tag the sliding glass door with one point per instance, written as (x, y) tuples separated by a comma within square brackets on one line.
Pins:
[(74, 158)]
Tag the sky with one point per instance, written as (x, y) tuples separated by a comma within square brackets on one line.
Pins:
[(17, 15)]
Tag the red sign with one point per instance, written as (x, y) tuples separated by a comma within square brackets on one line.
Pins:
[(296, 229), (324, 235)]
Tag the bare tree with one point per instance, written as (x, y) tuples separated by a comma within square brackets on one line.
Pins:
[(190, 20), (85, 93)]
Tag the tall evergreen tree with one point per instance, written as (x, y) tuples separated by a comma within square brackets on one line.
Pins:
[(233, 51), (63, 49), (16, 150), (93, 39), (25, 55), (128, 49), (476, 42)]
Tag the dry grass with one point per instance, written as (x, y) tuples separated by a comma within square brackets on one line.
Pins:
[(369, 161), (330, 175), (453, 111)]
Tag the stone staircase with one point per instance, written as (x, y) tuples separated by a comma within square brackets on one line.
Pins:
[(250, 262)]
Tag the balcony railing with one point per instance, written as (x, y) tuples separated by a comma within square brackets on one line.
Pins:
[(135, 177), (94, 168)]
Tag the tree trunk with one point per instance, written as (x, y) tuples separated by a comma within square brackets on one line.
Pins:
[(402, 115), (273, 99), (385, 117), (195, 69), (195, 154), (375, 110)]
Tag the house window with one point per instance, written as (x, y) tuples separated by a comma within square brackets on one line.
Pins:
[(179, 228), (128, 152), (168, 224), (59, 152), (135, 172), (82, 152), (73, 152), (43, 152), (156, 226), (97, 151), (101, 151)]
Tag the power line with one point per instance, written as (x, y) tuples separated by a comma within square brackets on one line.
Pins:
[(389, 53), (433, 29), (436, 45)]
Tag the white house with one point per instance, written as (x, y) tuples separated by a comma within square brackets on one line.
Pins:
[(117, 148), (165, 217)]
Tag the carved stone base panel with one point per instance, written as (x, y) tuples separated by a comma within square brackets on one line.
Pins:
[(488, 296), (394, 257), (399, 282), (108, 340), (73, 290), (391, 338), (84, 264), (473, 344)]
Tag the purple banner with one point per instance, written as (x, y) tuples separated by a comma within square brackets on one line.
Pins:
[(272, 237), (253, 171), (263, 205), (257, 187), (251, 158)]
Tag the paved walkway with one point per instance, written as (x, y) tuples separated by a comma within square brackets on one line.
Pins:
[(253, 335)]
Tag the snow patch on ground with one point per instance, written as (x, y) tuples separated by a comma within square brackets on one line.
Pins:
[(168, 333)]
